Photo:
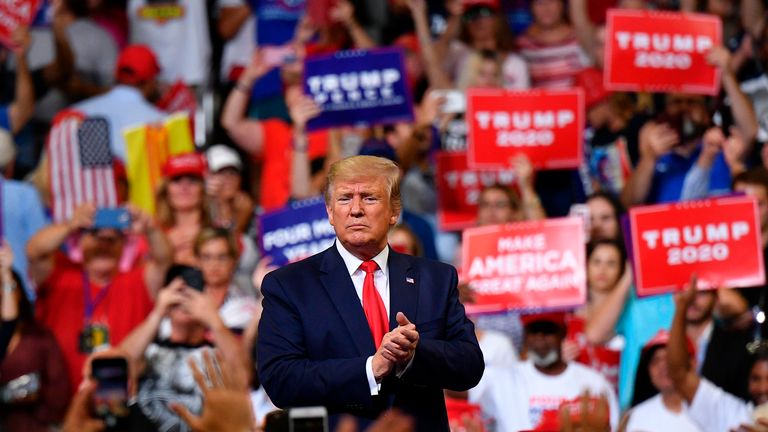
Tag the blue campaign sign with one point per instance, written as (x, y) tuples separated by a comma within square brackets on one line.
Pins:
[(358, 88), (296, 231)]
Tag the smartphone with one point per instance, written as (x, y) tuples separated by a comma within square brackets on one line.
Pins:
[(110, 400), (582, 211), (118, 218), (308, 419), (455, 101), (278, 55), (193, 277)]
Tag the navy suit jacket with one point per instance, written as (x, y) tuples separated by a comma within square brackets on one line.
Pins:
[(314, 339)]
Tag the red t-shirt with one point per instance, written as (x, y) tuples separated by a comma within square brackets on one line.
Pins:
[(276, 161), (60, 306)]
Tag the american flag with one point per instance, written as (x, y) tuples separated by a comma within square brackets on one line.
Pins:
[(80, 165)]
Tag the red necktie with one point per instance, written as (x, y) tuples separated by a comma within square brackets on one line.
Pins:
[(373, 306)]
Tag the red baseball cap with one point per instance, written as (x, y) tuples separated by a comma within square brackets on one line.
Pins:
[(662, 338), (591, 81), (136, 64), (185, 164), (553, 317)]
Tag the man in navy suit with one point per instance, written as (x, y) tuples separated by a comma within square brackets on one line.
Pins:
[(360, 328)]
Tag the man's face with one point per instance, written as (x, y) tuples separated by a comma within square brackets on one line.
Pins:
[(657, 369), (701, 308), (761, 195), (105, 245), (494, 207), (602, 219), (216, 263), (361, 214), (758, 382), (543, 340)]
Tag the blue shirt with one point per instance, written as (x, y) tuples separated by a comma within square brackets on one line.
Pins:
[(276, 22), (670, 172), (123, 107), (23, 216), (640, 320), (5, 121)]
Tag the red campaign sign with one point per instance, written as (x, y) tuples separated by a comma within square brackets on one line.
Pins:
[(546, 125), (603, 360), (718, 239), (458, 189), (178, 97), (526, 265), (661, 52), (459, 409), (15, 14)]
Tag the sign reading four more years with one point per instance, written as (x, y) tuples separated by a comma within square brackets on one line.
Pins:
[(526, 265), (295, 232), (358, 88), (718, 239)]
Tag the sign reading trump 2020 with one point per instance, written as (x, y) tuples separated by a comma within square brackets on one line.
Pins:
[(358, 88), (544, 125), (661, 52), (15, 14), (525, 265), (458, 189), (295, 232), (718, 239)]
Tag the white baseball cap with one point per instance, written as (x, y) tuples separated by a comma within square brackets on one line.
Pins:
[(221, 156)]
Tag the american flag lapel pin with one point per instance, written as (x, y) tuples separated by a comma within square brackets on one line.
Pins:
[(409, 280)]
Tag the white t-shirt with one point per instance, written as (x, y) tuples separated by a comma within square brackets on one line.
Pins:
[(177, 32), (516, 397), (716, 410), (653, 416), (497, 349)]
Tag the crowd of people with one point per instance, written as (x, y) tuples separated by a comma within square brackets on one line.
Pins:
[(185, 278)]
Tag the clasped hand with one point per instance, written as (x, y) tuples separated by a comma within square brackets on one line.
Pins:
[(397, 348)]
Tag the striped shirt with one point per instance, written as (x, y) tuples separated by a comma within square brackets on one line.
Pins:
[(553, 66)]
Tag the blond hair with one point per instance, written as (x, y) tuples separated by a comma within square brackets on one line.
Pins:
[(357, 167), (164, 213)]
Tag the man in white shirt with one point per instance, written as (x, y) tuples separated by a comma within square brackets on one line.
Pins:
[(128, 103), (517, 397)]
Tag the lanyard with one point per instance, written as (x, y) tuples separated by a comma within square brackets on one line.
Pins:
[(91, 305)]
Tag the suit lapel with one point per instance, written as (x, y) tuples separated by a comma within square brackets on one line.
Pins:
[(338, 285), (403, 288)]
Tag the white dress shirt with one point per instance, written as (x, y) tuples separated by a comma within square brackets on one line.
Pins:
[(381, 281)]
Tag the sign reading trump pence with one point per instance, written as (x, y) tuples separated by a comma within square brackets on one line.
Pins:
[(718, 239), (299, 230), (544, 125), (526, 265), (661, 52), (358, 88)]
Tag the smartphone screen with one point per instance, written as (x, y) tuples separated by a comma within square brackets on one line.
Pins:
[(193, 278), (309, 419), (110, 401), (118, 218)]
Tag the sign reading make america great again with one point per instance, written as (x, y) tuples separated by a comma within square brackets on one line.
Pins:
[(358, 88), (525, 265)]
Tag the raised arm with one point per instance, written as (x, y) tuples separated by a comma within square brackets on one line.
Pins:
[(42, 246), (160, 250), (679, 366), (247, 133), (585, 30), (344, 13), (301, 112), (231, 18), (139, 339), (743, 112), (655, 141), (20, 110), (437, 77), (601, 323)]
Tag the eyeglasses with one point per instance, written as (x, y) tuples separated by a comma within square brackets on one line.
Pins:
[(497, 205), (220, 258)]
